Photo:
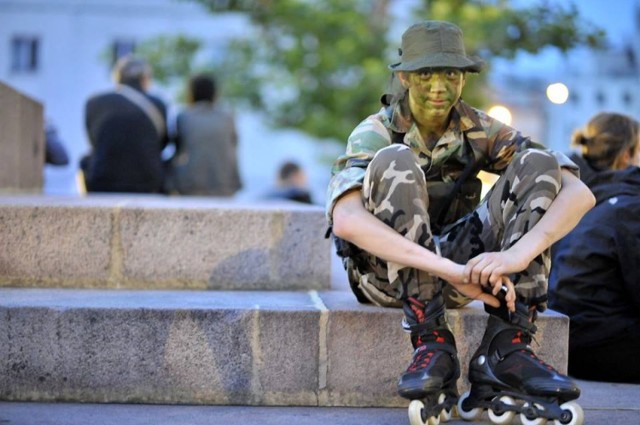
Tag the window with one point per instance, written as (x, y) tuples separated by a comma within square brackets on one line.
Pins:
[(24, 54), (121, 48)]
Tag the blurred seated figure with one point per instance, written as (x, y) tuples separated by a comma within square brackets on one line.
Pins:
[(55, 152), (595, 274), (292, 184), (127, 132), (206, 160)]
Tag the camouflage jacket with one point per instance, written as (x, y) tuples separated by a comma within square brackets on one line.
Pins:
[(493, 144)]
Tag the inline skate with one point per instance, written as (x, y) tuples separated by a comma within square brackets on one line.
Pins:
[(430, 380), (507, 378)]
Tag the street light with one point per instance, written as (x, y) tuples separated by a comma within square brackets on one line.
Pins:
[(557, 93), (501, 113)]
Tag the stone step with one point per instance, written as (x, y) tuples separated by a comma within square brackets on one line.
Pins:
[(158, 242), (304, 348)]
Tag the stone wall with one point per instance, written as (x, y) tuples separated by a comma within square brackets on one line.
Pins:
[(22, 142)]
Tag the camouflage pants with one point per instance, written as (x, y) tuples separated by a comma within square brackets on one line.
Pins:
[(395, 191)]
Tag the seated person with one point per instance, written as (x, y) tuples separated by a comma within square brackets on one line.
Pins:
[(595, 274), (292, 184), (206, 160)]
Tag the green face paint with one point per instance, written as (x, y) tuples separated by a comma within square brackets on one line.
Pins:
[(433, 92)]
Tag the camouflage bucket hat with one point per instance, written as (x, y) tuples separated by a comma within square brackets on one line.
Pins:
[(434, 44)]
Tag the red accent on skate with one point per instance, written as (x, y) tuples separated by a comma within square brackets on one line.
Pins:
[(517, 339), (421, 359), (439, 338), (418, 309)]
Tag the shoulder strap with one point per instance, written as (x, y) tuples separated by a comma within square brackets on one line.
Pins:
[(444, 206), (472, 166), (146, 105)]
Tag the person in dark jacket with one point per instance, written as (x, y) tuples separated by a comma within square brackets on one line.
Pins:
[(595, 274), (127, 132)]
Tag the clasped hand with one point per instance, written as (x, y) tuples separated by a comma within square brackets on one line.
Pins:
[(489, 270)]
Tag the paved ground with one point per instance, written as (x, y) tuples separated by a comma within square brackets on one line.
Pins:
[(603, 403)]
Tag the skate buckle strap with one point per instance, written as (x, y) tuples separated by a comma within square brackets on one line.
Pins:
[(439, 346), (425, 328), (500, 354)]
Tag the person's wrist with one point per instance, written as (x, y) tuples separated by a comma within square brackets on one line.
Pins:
[(522, 256)]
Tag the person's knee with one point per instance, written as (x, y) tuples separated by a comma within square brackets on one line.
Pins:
[(397, 154), (534, 162)]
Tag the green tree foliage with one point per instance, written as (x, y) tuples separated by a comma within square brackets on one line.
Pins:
[(171, 57), (314, 65), (321, 65)]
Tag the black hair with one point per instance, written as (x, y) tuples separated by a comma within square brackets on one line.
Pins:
[(287, 170), (202, 87)]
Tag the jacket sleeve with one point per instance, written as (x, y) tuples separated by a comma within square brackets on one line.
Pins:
[(349, 169), (505, 142)]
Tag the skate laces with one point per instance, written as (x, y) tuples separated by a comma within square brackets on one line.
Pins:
[(518, 339), (423, 355), (418, 309)]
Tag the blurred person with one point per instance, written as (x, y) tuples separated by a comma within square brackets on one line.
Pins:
[(206, 159), (55, 152), (291, 184), (127, 132), (595, 274), (404, 203)]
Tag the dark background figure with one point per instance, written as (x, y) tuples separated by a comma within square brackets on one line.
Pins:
[(595, 274), (127, 132), (206, 159), (292, 184), (55, 152)]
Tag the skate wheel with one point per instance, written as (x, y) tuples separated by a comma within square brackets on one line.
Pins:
[(536, 421), (468, 415), (415, 412), (503, 418), (416, 408), (572, 414), (445, 415)]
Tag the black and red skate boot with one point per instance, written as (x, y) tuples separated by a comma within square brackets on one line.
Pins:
[(430, 380), (508, 378), (435, 361)]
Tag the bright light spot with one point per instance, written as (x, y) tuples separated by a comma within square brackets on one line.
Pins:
[(557, 93), (501, 113)]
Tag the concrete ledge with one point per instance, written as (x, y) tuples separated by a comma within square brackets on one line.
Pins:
[(223, 347), (156, 242), (23, 144)]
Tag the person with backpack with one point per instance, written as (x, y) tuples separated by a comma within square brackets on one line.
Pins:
[(404, 204)]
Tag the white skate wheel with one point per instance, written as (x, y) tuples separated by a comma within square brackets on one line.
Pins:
[(415, 412), (577, 415), (536, 421), (504, 418), (445, 415), (468, 415)]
